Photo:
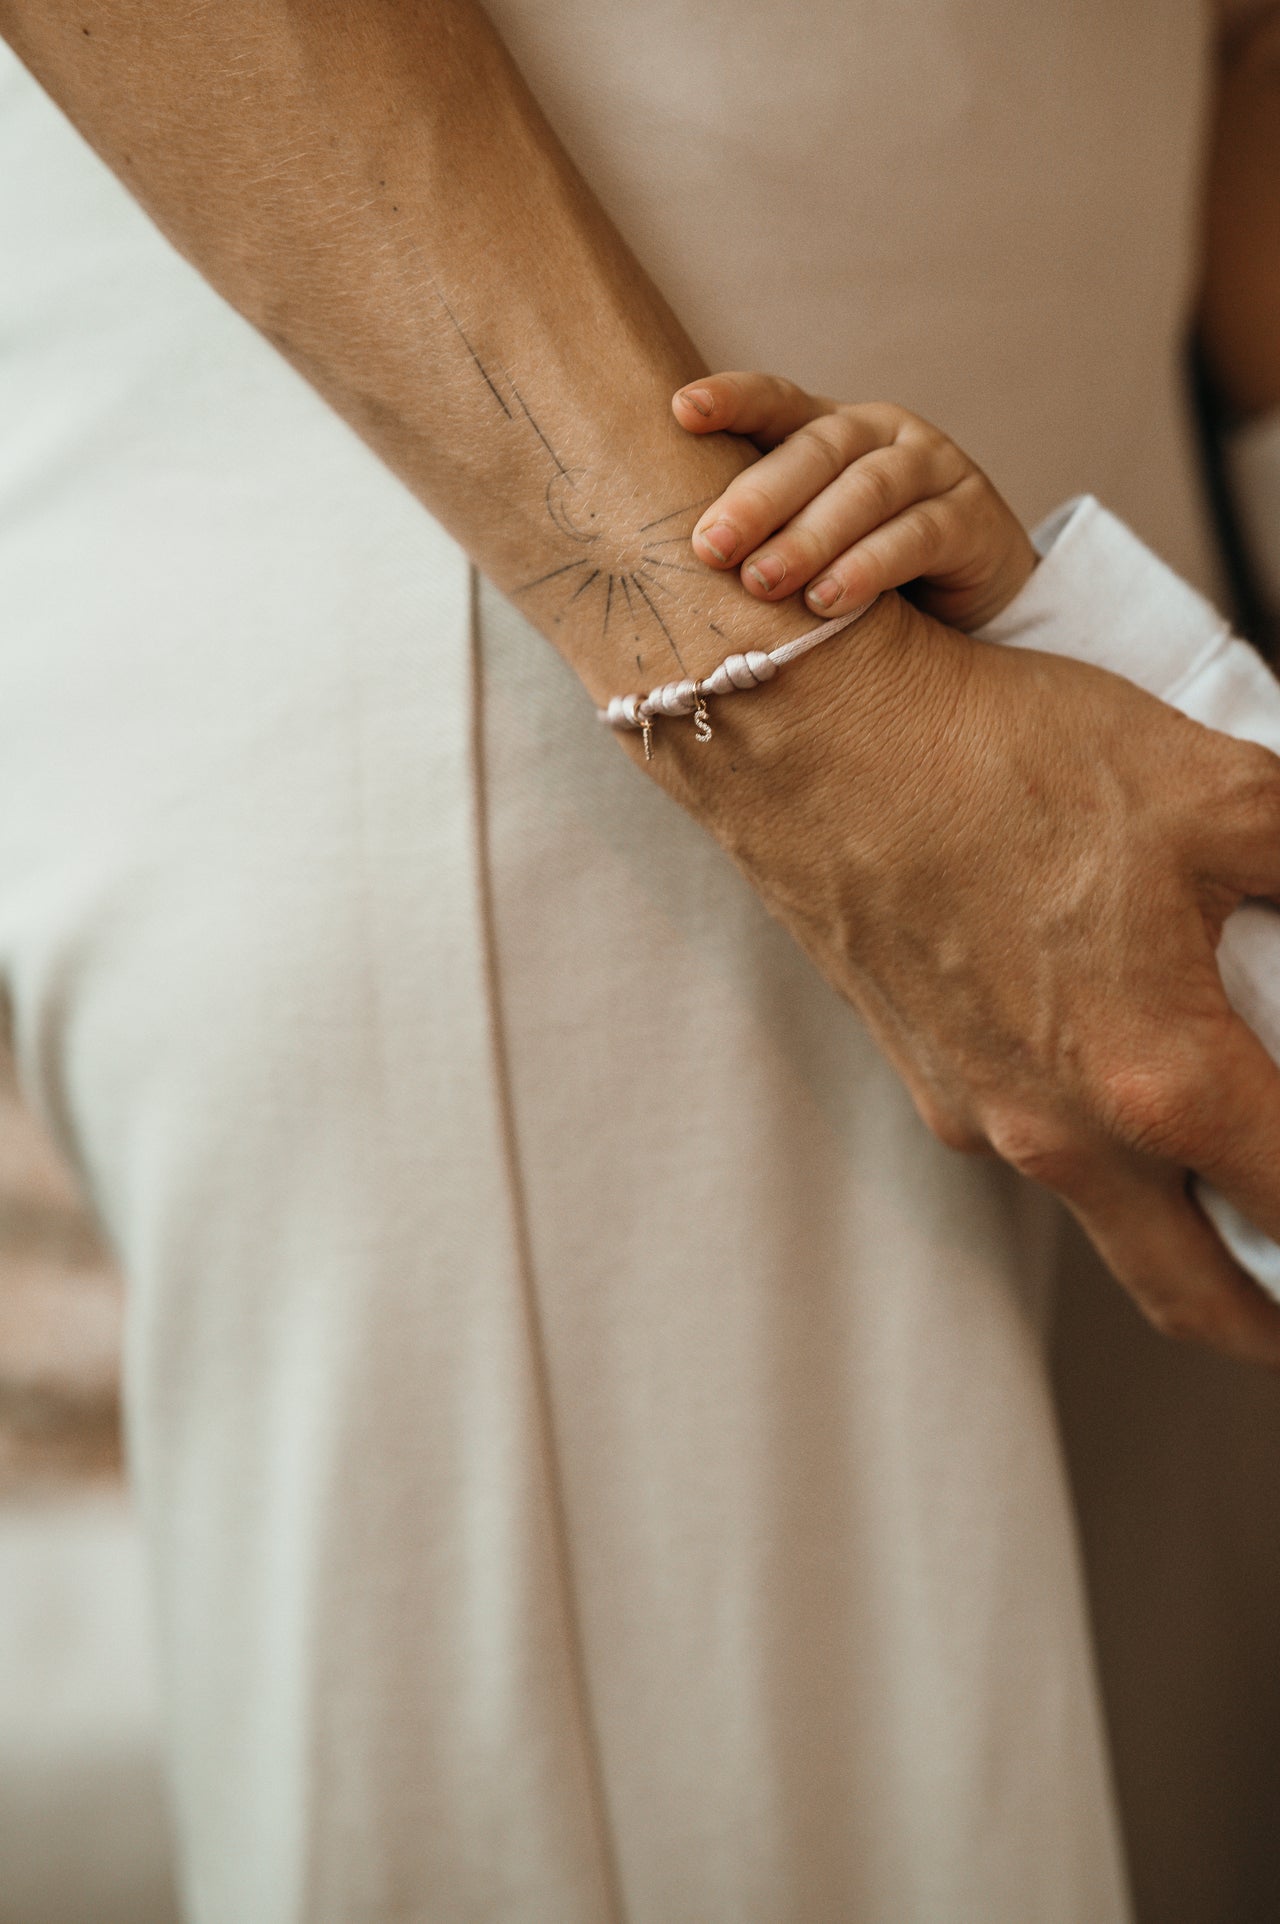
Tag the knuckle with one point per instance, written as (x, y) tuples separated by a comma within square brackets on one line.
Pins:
[(1039, 1147), (928, 522), (955, 469), (1152, 1111), (1258, 781), (878, 485), (946, 528), (920, 537), (936, 451), (891, 418), (803, 550), (828, 438), (951, 1130), (750, 506), (966, 487), (914, 427), (779, 404), (1177, 1318)]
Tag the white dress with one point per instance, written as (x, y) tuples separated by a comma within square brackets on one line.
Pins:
[(598, 1452)]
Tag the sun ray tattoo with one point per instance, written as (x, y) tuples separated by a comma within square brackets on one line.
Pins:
[(576, 509), (552, 573), (458, 330), (533, 424), (642, 574), (691, 507), (676, 567), (671, 640)]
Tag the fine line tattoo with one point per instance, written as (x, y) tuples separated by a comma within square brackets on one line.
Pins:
[(574, 507)]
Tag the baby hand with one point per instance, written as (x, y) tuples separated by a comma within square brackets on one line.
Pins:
[(853, 499)]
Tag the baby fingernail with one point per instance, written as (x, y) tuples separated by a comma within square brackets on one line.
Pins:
[(823, 592), (719, 540), (699, 398), (767, 570)]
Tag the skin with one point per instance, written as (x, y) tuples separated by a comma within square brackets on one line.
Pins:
[(853, 499), (1016, 868)]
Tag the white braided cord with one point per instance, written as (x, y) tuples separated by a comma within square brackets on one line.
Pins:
[(733, 674)]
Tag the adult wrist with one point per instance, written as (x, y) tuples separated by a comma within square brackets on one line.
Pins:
[(796, 761)]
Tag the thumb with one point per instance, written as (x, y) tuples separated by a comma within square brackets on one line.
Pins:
[(767, 407)]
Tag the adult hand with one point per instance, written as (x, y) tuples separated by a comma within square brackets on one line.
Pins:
[(1017, 868)]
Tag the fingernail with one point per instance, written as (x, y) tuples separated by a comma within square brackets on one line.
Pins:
[(699, 398), (823, 592), (767, 570), (719, 539)]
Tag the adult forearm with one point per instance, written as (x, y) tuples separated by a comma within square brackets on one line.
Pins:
[(375, 189), (1013, 866)]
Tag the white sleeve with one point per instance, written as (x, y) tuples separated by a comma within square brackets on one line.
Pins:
[(1101, 596), (1252, 455)]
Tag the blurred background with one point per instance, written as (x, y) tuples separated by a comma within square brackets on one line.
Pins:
[(83, 1825)]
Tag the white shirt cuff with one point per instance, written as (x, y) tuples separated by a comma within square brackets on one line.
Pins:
[(1100, 595)]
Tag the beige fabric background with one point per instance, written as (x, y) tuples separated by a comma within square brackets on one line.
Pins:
[(709, 1555), (1001, 232)]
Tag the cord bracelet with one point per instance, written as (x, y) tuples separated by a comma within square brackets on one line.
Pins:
[(733, 675)]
